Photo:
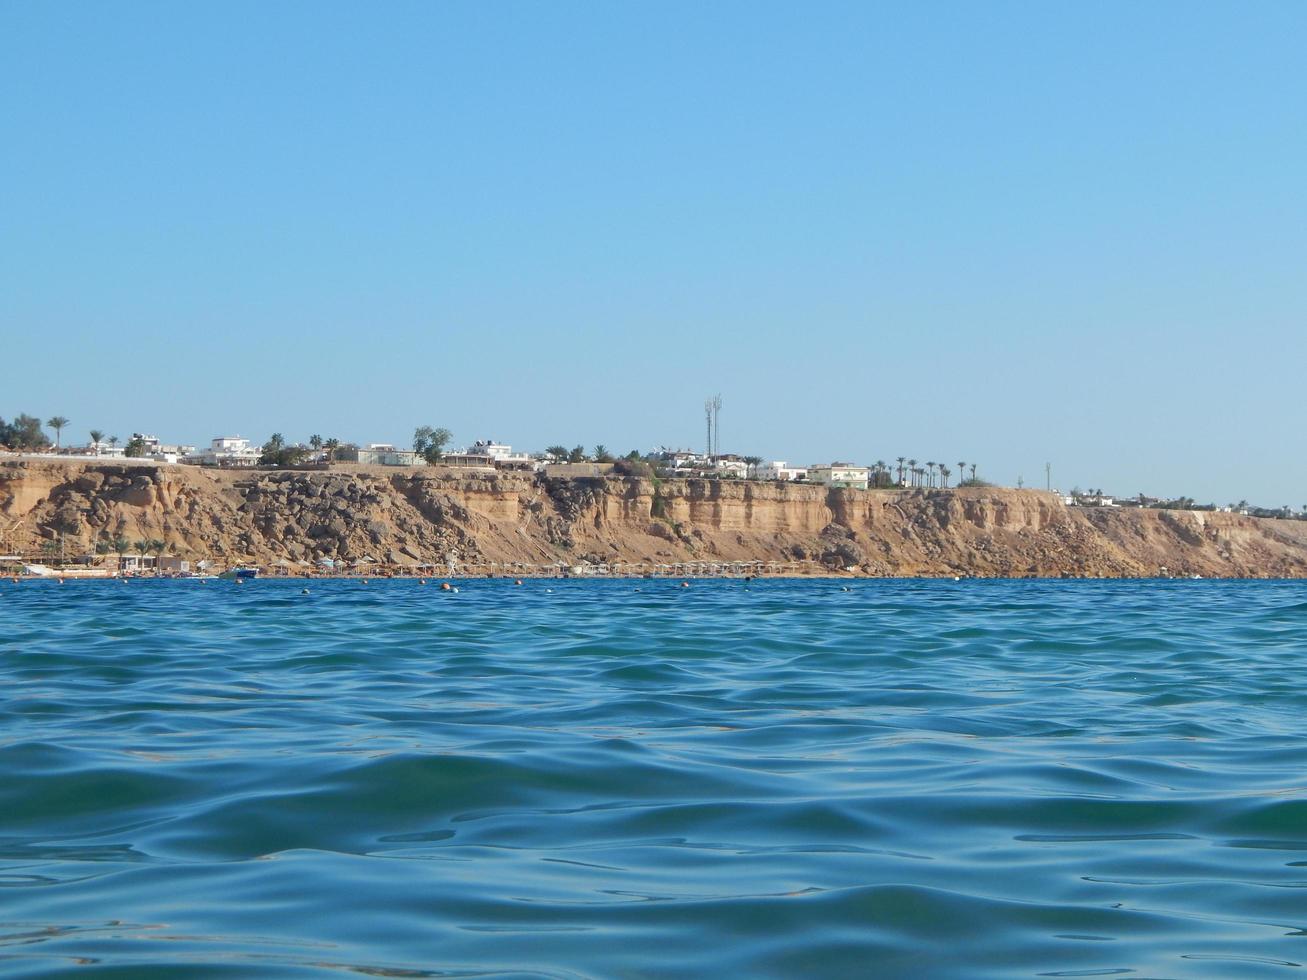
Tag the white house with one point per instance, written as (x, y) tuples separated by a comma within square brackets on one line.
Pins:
[(840, 475), (225, 451), (501, 454), (731, 466), (778, 469)]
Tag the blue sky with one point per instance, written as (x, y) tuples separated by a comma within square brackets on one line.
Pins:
[(1005, 232)]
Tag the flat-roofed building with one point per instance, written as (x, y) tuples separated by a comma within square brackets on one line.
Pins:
[(840, 475)]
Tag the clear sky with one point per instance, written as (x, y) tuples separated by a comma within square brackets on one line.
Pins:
[(1003, 232)]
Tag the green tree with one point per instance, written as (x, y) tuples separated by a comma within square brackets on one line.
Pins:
[(57, 423), (277, 452), (633, 455), (429, 443), (24, 432), (96, 437), (602, 455), (576, 455), (135, 447), (331, 445), (315, 442), (113, 442), (557, 453)]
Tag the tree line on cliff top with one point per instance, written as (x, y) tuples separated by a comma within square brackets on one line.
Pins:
[(25, 432)]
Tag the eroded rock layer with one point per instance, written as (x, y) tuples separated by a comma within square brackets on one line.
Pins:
[(405, 517)]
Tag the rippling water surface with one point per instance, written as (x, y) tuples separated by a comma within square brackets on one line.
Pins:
[(628, 779)]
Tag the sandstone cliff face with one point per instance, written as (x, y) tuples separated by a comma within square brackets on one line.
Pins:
[(410, 516)]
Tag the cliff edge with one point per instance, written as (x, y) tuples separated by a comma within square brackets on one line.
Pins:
[(406, 517)]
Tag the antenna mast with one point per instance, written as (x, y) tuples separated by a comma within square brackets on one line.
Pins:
[(716, 449)]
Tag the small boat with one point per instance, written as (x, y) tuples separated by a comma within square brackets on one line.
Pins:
[(240, 572)]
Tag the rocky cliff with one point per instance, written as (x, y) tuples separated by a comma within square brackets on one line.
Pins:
[(432, 515)]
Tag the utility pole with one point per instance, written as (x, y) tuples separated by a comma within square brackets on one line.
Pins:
[(1048, 476), (707, 411)]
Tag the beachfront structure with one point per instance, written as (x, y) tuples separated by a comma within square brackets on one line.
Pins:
[(501, 455), (680, 462), (467, 459), (731, 467), (1075, 499), (103, 450), (778, 469), (842, 475), (225, 451), (152, 448), (380, 454)]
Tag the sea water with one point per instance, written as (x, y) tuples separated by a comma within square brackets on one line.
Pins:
[(634, 779)]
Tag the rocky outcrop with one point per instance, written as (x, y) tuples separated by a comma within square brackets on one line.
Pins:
[(435, 515)]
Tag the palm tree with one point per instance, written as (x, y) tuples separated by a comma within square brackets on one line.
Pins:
[(158, 547), (944, 471), (96, 436), (880, 468), (118, 545), (973, 470), (331, 445), (901, 461), (57, 423), (601, 454), (315, 441), (930, 473), (912, 471), (962, 471)]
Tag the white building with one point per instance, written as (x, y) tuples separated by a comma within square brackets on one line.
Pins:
[(840, 475), (380, 454), (778, 469), (160, 452), (501, 454), (225, 451), (1089, 500), (731, 466)]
